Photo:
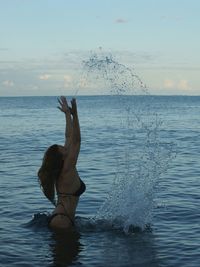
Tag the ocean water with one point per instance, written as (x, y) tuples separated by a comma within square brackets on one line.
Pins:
[(140, 161)]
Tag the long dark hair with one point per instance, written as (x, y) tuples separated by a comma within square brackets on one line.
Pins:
[(49, 171)]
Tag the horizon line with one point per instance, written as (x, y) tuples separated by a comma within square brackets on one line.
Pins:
[(96, 95)]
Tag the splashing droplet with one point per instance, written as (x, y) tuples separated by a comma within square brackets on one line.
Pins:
[(130, 201)]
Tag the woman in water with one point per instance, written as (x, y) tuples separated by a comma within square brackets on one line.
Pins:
[(58, 171)]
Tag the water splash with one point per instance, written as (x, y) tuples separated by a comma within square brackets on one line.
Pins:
[(131, 200), (119, 78), (38, 221)]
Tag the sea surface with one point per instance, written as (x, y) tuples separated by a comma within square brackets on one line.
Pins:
[(140, 160)]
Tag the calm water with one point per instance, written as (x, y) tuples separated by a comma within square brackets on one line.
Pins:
[(28, 125)]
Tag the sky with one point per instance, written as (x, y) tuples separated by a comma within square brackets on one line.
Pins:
[(44, 42)]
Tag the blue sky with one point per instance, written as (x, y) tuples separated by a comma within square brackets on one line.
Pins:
[(43, 43)]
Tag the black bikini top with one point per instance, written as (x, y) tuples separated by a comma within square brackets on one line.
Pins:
[(79, 192)]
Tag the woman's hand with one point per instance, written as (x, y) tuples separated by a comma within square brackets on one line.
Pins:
[(64, 105)]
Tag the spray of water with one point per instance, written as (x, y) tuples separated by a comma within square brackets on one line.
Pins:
[(130, 201), (119, 78)]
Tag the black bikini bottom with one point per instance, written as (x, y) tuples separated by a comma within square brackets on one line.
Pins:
[(60, 213)]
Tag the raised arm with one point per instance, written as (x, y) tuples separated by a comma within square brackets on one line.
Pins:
[(68, 130), (76, 138), (74, 147)]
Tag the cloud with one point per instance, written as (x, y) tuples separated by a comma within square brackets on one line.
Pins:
[(67, 80), (44, 77), (34, 87), (169, 84), (120, 20), (8, 83), (181, 84)]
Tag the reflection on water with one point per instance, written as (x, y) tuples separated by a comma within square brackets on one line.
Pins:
[(94, 243), (108, 248), (65, 248), (62, 247)]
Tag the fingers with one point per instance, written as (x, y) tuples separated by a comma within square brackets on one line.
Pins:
[(73, 102), (59, 101), (60, 108), (63, 104), (62, 101), (64, 107)]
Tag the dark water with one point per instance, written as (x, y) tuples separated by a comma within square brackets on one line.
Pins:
[(28, 125)]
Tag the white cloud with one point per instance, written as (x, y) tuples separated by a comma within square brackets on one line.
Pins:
[(169, 84), (34, 87), (44, 77), (180, 84), (67, 80), (8, 83), (183, 85)]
